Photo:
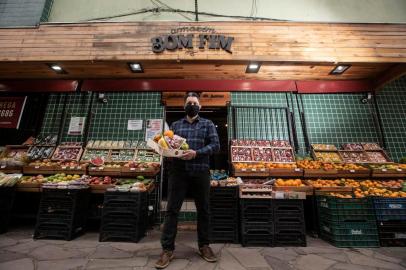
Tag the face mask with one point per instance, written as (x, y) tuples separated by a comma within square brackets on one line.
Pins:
[(192, 110)]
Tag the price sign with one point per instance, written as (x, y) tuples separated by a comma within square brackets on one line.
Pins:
[(11, 110)]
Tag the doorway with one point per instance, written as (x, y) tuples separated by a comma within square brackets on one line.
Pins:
[(218, 161)]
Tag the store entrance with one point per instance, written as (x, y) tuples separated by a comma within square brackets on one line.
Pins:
[(219, 160)]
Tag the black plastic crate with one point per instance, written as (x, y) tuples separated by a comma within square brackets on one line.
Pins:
[(223, 233), (297, 227), (257, 228), (7, 195), (117, 197), (229, 205), (289, 220), (392, 234), (62, 213), (291, 238), (257, 217), (288, 207), (255, 240), (224, 193), (390, 209), (254, 206)]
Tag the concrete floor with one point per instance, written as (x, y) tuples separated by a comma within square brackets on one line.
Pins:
[(18, 251)]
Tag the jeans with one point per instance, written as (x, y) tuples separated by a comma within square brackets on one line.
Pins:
[(178, 184)]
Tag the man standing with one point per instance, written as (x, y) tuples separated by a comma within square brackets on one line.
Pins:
[(190, 171)]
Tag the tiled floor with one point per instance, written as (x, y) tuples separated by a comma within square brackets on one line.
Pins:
[(19, 251)]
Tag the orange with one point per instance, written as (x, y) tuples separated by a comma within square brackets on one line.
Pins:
[(169, 133)]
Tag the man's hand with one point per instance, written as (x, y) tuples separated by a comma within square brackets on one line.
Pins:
[(188, 155)]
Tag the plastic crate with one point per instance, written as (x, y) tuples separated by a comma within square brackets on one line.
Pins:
[(256, 206), (257, 217), (223, 233), (257, 228), (255, 240), (7, 195), (392, 234), (225, 205), (334, 203), (346, 215), (224, 193), (125, 197), (288, 207), (390, 209), (350, 234), (217, 216), (287, 227)]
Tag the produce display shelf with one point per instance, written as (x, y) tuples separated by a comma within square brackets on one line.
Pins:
[(103, 171), (388, 173), (286, 172), (30, 169), (307, 189), (313, 173), (28, 187), (353, 173), (11, 169)]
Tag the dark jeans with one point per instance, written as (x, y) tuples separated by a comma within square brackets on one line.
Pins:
[(178, 184)]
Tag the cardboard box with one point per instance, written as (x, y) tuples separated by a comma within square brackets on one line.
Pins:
[(164, 152)]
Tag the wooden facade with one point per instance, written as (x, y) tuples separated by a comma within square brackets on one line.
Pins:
[(287, 51)]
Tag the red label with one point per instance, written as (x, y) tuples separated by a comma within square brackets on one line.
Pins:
[(11, 110)]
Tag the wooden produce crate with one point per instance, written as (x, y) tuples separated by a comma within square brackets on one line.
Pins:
[(64, 148), (250, 172), (320, 173), (307, 189), (28, 187), (354, 173), (99, 189), (35, 169), (104, 171), (296, 172), (130, 172), (388, 173), (10, 169), (254, 191), (80, 169)]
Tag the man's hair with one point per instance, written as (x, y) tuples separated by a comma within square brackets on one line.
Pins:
[(191, 94)]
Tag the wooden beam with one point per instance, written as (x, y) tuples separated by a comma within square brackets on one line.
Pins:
[(38, 86), (330, 87), (394, 72)]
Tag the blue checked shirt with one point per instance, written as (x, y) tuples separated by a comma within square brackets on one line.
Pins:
[(201, 135)]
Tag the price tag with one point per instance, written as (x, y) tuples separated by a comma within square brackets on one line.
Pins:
[(101, 168), (132, 169), (243, 170), (384, 170), (63, 167), (78, 167), (72, 167), (254, 170), (352, 171), (36, 167), (399, 170), (263, 169), (297, 170), (279, 195), (3, 166), (142, 169)]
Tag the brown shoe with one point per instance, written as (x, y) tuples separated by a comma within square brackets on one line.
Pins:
[(164, 260), (206, 253)]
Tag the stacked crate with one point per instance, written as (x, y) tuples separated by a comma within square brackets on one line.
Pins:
[(62, 213), (224, 215), (257, 222), (124, 217), (391, 220), (6, 204), (289, 223), (347, 222)]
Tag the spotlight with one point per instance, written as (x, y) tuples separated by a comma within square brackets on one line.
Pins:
[(339, 69), (136, 67), (253, 67), (57, 68)]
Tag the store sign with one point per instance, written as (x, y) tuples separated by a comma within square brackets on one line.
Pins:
[(76, 125), (207, 99), (177, 41), (134, 124), (154, 126), (11, 110)]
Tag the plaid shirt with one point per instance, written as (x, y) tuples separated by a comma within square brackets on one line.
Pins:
[(201, 135)]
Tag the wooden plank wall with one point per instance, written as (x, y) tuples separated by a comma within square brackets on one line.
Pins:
[(264, 41)]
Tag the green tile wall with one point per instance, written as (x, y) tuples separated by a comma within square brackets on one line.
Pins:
[(392, 103), (109, 121)]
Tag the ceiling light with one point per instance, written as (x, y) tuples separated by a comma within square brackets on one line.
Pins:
[(253, 67), (57, 68), (136, 67), (339, 69)]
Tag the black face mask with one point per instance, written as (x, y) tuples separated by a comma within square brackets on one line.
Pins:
[(192, 110)]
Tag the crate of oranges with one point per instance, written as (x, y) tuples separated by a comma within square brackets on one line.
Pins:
[(317, 169), (296, 185), (284, 170), (242, 169)]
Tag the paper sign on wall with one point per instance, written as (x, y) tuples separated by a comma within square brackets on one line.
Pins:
[(76, 125), (134, 125), (154, 126)]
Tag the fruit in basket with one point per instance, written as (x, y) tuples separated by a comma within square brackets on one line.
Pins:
[(328, 157), (382, 184), (320, 183), (379, 192), (184, 146), (289, 183), (157, 137), (163, 143), (340, 195), (169, 133), (281, 165), (97, 161)]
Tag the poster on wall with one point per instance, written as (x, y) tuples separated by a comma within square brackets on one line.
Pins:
[(76, 125), (154, 126), (11, 111), (134, 125)]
